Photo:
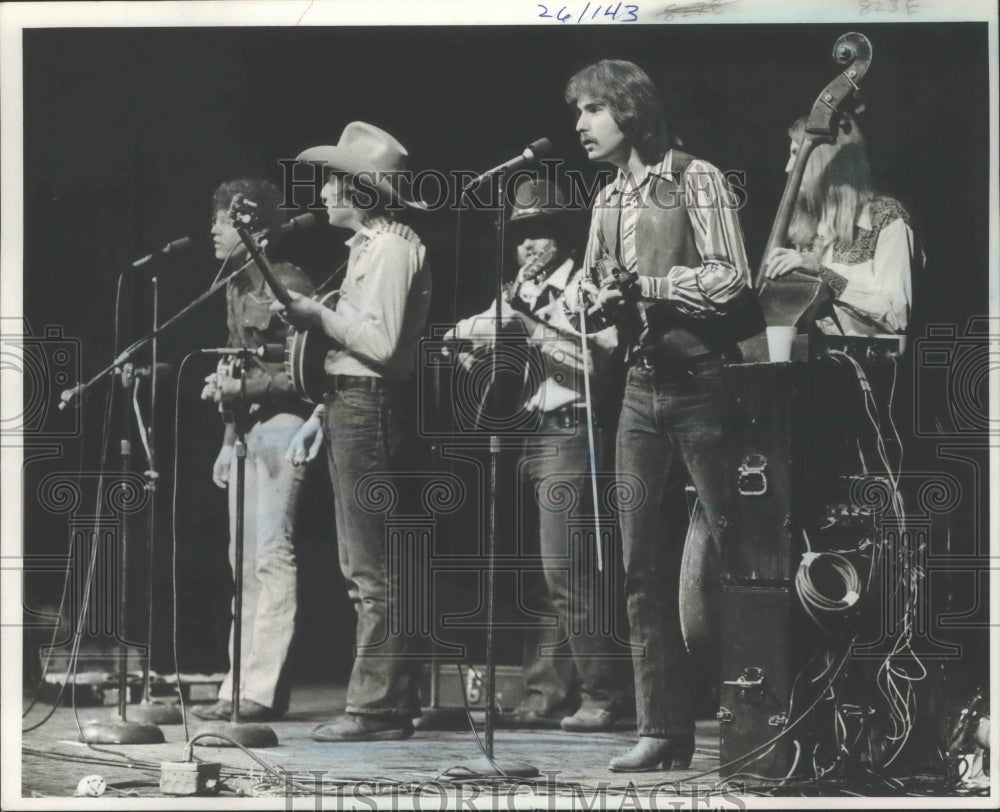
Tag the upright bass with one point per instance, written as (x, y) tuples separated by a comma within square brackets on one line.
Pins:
[(779, 298), (784, 300)]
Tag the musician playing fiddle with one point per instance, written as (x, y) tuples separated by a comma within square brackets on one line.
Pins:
[(273, 414), (571, 678)]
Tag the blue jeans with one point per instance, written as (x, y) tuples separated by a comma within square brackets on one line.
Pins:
[(365, 432), (671, 428), (572, 651), (269, 573)]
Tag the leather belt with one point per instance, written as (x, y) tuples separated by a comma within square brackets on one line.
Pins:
[(370, 383), (643, 360), (565, 417)]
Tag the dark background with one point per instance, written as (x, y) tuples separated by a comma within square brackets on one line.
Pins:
[(127, 132)]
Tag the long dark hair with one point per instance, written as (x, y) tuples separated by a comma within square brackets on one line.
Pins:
[(632, 98)]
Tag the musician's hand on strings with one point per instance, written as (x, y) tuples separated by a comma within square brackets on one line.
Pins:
[(228, 389), (211, 389), (586, 294), (610, 297), (306, 443), (220, 470), (785, 260), (301, 311), (220, 388)]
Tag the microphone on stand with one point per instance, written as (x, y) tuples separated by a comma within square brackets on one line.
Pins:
[(532, 152), (300, 223), (172, 247), (268, 352)]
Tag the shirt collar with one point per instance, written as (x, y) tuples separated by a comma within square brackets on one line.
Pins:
[(663, 168), (364, 233)]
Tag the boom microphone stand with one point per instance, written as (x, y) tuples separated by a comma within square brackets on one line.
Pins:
[(120, 730), (144, 730)]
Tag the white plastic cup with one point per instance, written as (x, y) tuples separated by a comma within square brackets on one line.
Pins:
[(779, 343)]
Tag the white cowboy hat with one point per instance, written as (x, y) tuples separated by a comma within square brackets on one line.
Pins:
[(364, 148)]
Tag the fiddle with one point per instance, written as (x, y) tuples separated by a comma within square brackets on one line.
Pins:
[(524, 291)]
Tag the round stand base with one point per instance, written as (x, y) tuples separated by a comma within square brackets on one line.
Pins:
[(249, 735), (483, 767), (120, 731), (156, 713), (442, 719)]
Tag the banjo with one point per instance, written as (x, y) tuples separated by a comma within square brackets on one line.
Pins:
[(305, 350)]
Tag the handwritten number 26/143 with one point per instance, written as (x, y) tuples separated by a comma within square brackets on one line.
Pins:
[(629, 11)]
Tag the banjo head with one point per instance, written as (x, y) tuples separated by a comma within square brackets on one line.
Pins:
[(305, 355)]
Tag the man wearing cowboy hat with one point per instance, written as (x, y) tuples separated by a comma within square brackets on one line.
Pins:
[(574, 659), (375, 327)]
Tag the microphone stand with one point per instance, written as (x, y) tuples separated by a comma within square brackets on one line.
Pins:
[(489, 765), (120, 730), (238, 733), (157, 713), (69, 395)]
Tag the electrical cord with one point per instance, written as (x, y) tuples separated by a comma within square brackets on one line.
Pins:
[(71, 665), (173, 536), (812, 598)]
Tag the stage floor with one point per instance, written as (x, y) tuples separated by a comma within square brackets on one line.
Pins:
[(573, 766)]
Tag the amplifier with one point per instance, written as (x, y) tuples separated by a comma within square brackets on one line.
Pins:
[(757, 667), (449, 689), (863, 349)]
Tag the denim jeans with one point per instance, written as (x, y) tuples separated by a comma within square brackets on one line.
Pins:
[(269, 574), (570, 655), (671, 427), (365, 434)]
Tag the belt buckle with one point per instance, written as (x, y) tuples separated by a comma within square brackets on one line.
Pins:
[(643, 362)]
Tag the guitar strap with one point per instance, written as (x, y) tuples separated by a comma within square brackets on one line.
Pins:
[(339, 272)]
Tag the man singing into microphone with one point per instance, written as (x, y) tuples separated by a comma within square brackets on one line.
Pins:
[(375, 327), (669, 224), (272, 415)]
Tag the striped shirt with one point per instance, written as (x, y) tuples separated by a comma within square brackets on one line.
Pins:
[(724, 272)]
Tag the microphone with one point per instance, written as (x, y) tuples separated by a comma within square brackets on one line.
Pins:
[(296, 224), (532, 152), (300, 223), (269, 352), (173, 247)]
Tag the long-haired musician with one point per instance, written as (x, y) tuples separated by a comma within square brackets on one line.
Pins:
[(859, 242), (669, 224), (274, 414)]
